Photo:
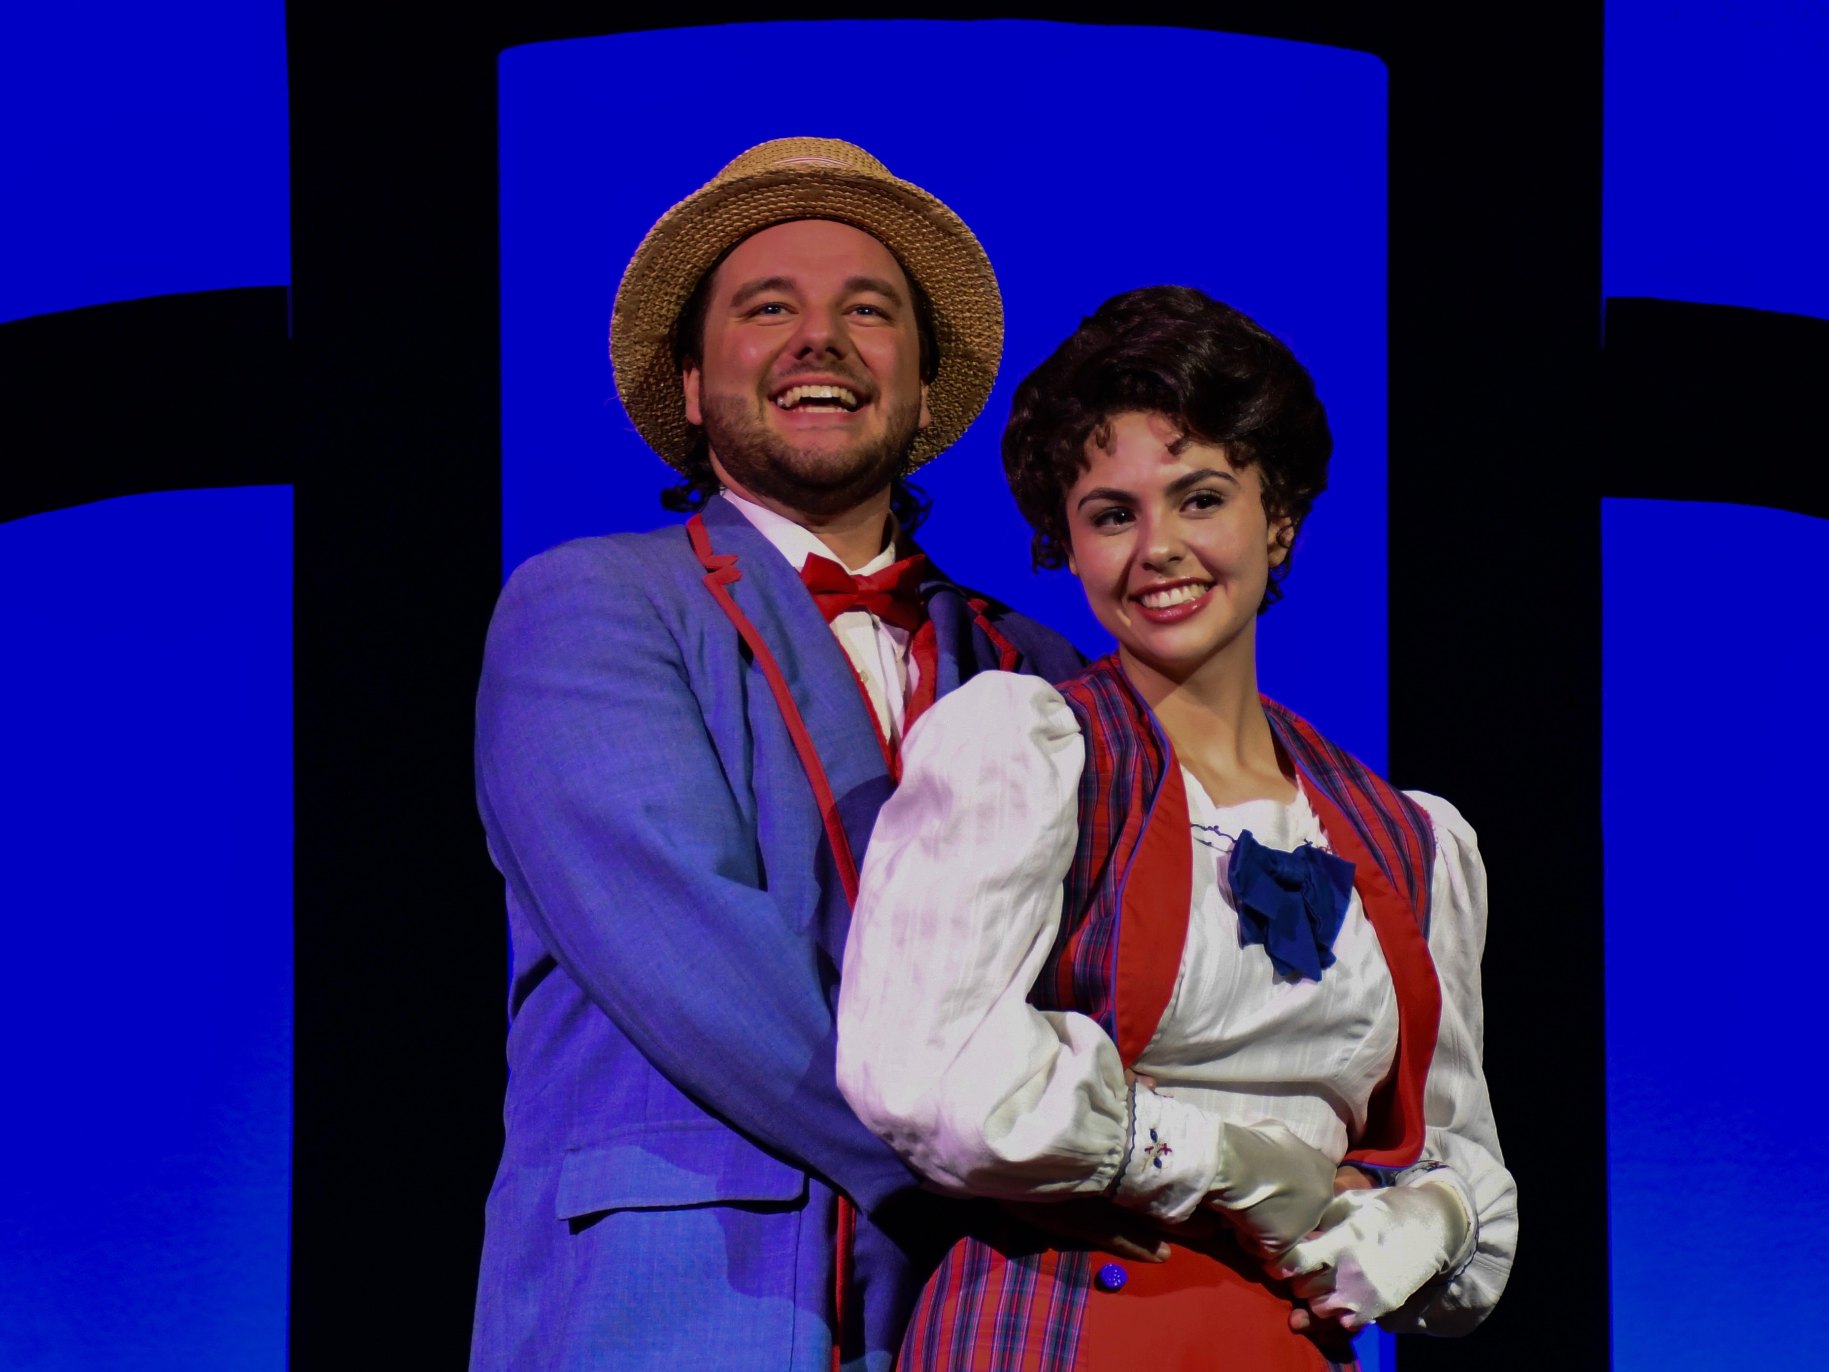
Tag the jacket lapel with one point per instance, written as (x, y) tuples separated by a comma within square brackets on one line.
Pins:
[(965, 640), (817, 675)]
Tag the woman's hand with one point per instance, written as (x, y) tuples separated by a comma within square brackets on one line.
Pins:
[(1270, 1186), (1376, 1248)]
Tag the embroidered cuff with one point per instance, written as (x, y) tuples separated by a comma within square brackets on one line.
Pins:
[(1169, 1168)]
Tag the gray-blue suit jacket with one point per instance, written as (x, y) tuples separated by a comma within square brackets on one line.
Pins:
[(675, 1139)]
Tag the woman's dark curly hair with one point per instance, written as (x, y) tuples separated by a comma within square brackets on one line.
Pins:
[(1173, 351)]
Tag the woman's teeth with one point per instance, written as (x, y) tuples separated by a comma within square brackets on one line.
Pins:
[(1175, 595), (836, 395)]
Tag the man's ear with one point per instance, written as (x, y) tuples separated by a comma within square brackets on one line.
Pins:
[(926, 415), (689, 388)]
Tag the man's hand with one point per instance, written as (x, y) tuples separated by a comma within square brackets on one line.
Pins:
[(1094, 1222), (1349, 1178)]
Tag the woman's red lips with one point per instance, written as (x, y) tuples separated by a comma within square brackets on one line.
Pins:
[(1178, 608)]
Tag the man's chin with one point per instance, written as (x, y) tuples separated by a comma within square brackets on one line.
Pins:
[(819, 493), (812, 480)]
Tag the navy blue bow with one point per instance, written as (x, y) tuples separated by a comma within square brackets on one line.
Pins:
[(1292, 903)]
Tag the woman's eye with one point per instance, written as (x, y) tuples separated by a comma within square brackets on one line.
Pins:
[(1206, 500), (1113, 516)]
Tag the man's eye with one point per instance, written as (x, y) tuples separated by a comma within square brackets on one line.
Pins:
[(769, 307), (874, 311)]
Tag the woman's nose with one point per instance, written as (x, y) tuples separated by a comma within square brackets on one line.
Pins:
[(1161, 549)]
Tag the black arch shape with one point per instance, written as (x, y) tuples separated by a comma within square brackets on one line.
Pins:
[(170, 392), (1716, 402)]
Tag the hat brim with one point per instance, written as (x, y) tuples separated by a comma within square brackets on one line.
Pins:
[(931, 242)]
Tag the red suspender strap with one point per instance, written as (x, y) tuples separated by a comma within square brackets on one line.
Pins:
[(1153, 917), (925, 650), (720, 572), (1394, 1119)]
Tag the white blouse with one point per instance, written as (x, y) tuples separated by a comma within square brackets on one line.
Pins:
[(942, 1055)]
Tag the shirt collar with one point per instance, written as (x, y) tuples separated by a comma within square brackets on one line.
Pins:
[(797, 544)]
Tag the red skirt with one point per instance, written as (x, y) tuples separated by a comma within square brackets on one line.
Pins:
[(999, 1303)]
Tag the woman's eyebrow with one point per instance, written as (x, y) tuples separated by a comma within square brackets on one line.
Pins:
[(1105, 493), (1182, 483)]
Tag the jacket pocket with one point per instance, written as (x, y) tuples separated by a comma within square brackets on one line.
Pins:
[(664, 1167)]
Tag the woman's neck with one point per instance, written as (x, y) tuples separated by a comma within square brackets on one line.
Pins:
[(1218, 727)]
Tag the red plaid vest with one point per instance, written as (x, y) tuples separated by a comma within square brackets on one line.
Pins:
[(991, 1305)]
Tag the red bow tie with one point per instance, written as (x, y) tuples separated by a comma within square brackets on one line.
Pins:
[(893, 595)]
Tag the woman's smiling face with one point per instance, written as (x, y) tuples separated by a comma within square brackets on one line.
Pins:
[(1172, 544)]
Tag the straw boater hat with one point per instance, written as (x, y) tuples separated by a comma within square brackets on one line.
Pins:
[(806, 178)]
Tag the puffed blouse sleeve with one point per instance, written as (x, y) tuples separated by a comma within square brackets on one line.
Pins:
[(1460, 1130), (939, 1050)]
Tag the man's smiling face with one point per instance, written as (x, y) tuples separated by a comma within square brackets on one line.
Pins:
[(808, 380)]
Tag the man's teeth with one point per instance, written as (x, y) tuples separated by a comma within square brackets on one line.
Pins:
[(838, 395), (1175, 595)]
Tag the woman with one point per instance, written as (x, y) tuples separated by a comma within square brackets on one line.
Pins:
[(1151, 938)]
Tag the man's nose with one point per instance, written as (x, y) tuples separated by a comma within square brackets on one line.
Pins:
[(822, 334)]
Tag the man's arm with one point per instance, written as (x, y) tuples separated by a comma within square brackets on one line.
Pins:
[(612, 819)]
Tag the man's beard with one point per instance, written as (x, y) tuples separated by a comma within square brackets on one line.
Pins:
[(813, 481)]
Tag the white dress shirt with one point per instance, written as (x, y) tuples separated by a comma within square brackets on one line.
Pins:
[(878, 651), (941, 1053)]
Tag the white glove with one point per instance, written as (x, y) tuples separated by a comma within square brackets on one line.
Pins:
[(1377, 1249), (1272, 1186)]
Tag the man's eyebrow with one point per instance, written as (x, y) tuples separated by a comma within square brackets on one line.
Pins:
[(749, 290), (878, 284)]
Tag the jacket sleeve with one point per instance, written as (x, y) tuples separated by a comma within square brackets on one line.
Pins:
[(1461, 1132), (612, 819)]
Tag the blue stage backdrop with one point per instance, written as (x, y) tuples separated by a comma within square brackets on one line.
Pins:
[(1088, 160), (1715, 649), (146, 726), (146, 837), (1717, 152), (142, 151)]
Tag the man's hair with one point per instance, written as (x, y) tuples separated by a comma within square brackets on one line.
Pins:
[(1172, 351), (907, 501)]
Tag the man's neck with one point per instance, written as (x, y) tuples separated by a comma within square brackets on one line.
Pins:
[(854, 536)]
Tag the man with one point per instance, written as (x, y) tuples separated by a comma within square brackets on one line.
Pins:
[(679, 761)]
